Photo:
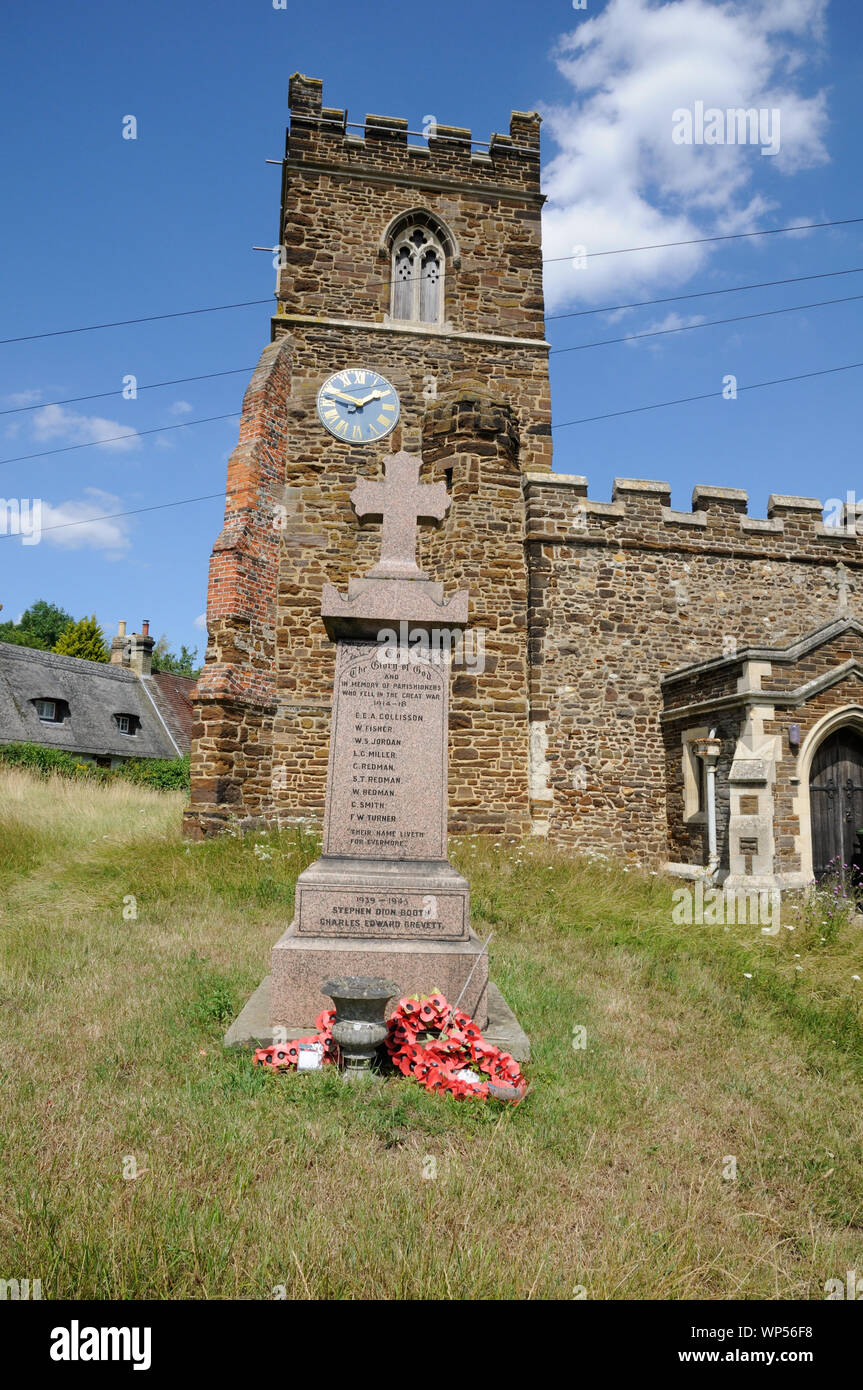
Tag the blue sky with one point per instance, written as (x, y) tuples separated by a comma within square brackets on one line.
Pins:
[(99, 228)]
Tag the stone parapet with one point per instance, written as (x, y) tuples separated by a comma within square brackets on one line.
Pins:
[(319, 134), (559, 511)]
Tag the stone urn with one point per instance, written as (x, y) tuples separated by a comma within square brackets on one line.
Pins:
[(360, 1023)]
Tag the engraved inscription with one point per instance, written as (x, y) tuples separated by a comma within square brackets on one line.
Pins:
[(386, 794), (350, 912)]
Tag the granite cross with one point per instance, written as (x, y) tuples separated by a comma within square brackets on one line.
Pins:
[(401, 500)]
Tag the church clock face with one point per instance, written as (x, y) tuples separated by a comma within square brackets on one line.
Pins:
[(358, 405)]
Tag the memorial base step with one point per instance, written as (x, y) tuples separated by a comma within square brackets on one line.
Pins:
[(300, 965), (252, 1027)]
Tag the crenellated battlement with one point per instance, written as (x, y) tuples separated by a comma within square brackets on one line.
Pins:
[(351, 198), (323, 135), (559, 511)]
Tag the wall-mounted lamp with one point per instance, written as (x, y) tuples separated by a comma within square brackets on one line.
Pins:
[(794, 735)]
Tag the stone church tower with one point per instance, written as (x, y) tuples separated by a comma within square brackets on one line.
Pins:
[(678, 688), (420, 262)]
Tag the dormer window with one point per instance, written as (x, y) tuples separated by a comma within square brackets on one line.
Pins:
[(419, 248), (51, 711), (127, 723)]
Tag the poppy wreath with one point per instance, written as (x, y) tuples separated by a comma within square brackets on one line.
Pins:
[(443, 1049), (429, 1042), (285, 1055)]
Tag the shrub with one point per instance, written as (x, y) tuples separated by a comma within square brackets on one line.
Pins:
[(165, 774), (168, 774)]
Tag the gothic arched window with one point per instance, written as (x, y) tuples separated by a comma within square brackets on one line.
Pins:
[(418, 252)]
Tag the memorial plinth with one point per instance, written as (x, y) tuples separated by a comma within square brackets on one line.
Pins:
[(383, 898)]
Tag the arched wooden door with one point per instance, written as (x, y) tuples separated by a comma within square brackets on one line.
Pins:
[(836, 801)]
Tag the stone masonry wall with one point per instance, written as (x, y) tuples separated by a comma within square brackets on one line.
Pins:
[(268, 651), (342, 191), (471, 444), (626, 591), (583, 605)]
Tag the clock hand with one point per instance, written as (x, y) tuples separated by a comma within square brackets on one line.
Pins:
[(375, 396), (353, 400)]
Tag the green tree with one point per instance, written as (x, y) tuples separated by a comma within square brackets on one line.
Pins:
[(40, 626), (166, 660), (84, 639), (10, 632)]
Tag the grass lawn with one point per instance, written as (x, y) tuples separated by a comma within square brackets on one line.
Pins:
[(703, 1044)]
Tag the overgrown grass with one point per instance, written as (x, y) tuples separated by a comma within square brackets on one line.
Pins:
[(126, 951)]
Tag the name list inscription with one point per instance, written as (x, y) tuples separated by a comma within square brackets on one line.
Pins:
[(386, 795)]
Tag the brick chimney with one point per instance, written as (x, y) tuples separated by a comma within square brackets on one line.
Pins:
[(119, 645), (141, 646)]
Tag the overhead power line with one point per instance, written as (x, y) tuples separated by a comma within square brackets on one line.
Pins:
[(233, 414), (547, 260), (705, 396), (700, 240), (577, 313), (701, 294), (711, 323), (136, 511), (118, 391), (666, 245), (123, 323), (114, 438), (589, 419)]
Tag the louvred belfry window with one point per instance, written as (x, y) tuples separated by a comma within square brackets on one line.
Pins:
[(418, 277), (429, 287), (402, 284)]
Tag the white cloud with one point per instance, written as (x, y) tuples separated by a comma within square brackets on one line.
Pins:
[(55, 422), (201, 622), (670, 324), (620, 180), (17, 399), (99, 531), (181, 408)]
